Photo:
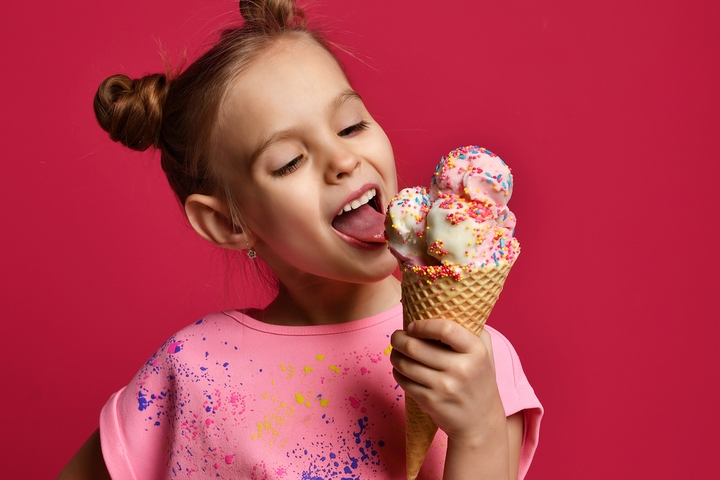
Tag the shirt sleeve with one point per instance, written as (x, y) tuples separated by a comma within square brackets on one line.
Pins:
[(517, 395), (134, 424)]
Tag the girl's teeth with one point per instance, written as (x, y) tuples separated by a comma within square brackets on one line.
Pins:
[(365, 198)]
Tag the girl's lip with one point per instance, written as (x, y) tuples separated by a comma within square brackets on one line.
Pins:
[(359, 193)]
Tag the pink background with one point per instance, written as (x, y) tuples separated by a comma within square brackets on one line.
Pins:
[(608, 113)]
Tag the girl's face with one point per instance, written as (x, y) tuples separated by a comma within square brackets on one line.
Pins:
[(302, 148)]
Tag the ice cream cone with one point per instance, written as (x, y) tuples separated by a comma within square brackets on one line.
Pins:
[(468, 302)]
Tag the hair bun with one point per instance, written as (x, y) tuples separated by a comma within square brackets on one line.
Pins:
[(131, 110), (279, 13)]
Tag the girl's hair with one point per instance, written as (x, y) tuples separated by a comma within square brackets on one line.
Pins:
[(179, 115)]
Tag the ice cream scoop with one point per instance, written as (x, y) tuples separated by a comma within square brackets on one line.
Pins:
[(474, 173), (405, 225)]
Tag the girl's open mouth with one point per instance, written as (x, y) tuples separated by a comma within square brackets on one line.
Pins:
[(362, 219)]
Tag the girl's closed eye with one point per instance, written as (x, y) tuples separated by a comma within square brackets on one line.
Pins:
[(289, 167), (353, 129)]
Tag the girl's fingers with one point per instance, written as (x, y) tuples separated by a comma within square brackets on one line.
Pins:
[(454, 336), (432, 354), (415, 379), (407, 358), (447, 370), (446, 331), (435, 346)]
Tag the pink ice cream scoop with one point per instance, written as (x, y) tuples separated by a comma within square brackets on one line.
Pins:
[(474, 173)]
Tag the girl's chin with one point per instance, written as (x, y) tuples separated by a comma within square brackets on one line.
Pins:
[(387, 268)]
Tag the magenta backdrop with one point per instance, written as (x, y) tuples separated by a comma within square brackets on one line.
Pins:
[(608, 113)]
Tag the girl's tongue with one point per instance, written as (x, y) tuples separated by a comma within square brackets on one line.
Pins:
[(364, 223)]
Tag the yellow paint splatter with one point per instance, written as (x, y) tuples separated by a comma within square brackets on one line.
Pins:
[(263, 427), (334, 368), (388, 350), (308, 369), (289, 369), (319, 357), (324, 402), (301, 399)]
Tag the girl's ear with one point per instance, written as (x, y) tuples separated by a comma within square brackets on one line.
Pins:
[(210, 218)]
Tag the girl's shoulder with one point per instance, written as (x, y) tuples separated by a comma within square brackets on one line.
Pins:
[(198, 339), (216, 324)]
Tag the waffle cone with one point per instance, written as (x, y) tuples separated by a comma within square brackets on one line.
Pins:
[(468, 302)]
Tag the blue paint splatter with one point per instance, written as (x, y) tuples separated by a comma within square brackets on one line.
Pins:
[(361, 423), (143, 402)]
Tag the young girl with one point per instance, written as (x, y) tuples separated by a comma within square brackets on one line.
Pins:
[(273, 153)]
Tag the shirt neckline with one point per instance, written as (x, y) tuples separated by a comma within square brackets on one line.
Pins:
[(307, 330)]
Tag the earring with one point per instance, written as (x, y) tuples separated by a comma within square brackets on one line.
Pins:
[(251, 253)]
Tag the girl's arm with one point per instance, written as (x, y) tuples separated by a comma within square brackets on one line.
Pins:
[(458, 457), (450, 373), (88, 462)]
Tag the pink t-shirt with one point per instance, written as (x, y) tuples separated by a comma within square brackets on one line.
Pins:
[(232, 397)]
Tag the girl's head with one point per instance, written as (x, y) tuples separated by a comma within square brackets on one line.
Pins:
[(264, 142), (179, 115)]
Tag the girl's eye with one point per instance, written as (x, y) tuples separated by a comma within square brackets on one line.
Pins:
[(289, 167), (353, 129)]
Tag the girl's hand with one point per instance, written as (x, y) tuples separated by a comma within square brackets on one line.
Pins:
[(451, 374)]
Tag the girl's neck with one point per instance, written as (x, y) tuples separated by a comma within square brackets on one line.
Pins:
[(326, 302)]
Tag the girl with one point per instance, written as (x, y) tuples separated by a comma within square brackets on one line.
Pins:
[(273, 153)]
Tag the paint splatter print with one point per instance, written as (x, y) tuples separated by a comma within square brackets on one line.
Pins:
[(231, 397)]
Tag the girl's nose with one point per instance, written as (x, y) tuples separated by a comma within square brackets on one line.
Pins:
[(341, 162)]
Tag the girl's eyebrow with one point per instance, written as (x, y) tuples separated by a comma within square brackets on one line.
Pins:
[(339, 100), (275, 137)]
